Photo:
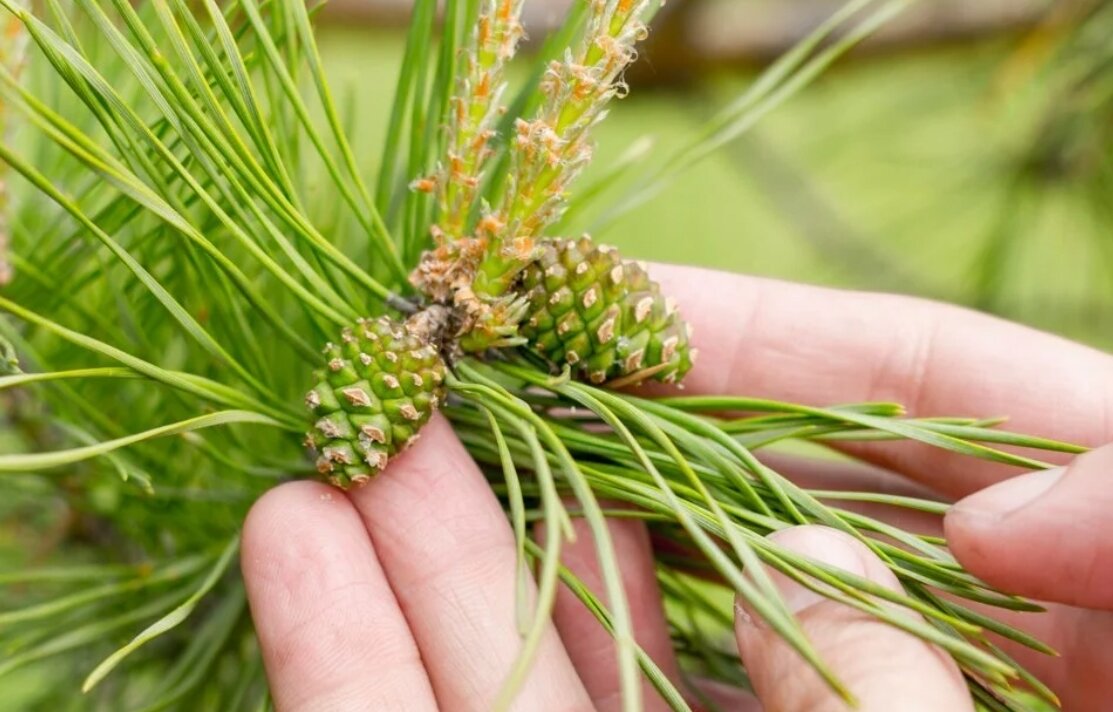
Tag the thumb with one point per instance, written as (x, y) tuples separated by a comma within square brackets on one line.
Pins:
[(1046, 534), (884, 668)]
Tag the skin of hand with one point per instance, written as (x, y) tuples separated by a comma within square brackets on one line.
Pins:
[(400, 595)]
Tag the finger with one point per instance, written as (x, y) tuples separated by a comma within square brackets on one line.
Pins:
[(884, 668), (450, 556), (821, 346), (589, 645), (331, 632), (1045, 534), (1079, 674)]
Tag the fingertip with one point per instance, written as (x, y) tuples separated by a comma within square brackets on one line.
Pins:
[(287, 498), (822, 545), (449, 554), (283, 511), (883, 667), (297, 538), (1042, 534), (991, 506), (322, 606)]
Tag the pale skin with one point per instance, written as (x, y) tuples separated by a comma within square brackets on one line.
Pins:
[(400, 596)]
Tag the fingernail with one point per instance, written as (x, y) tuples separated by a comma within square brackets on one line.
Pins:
[(820, 544), (993, 504)]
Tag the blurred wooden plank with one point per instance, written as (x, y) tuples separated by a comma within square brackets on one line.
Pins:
[(719, 31), (538, 16), (722, 31)]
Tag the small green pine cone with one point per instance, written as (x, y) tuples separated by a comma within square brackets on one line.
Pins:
[(382, 383), (602, 316)]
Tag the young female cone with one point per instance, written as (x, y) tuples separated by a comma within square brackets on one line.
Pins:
[(603, 317), (381, 384)]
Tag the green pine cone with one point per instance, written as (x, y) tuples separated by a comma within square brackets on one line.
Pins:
[(602, 316), (382, 383)]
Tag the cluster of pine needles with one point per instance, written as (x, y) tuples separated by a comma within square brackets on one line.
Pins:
[(192, 216)]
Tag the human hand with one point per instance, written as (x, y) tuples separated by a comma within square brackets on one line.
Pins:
[(400, 595), (1047, 535)]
